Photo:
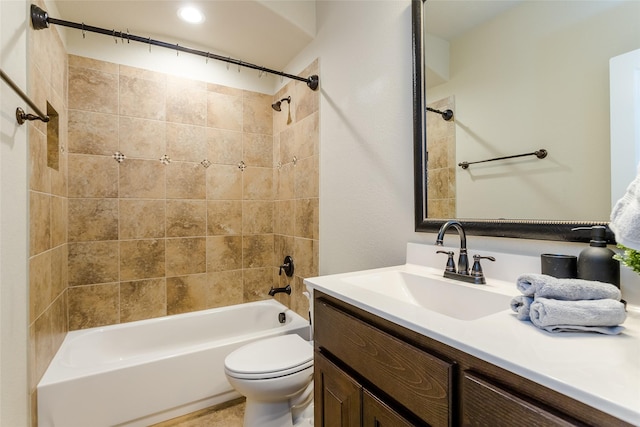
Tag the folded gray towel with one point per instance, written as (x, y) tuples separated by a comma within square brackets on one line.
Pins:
[(521, 306), (601, 316), (607, 330), (541, 285), (625, 216)]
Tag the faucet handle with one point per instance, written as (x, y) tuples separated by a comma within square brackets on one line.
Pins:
[(476, 270), (451, 265), (287, 267)]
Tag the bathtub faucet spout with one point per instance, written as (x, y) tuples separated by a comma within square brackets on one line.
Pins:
[(286, 290)]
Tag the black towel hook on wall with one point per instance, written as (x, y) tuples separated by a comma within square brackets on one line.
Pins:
[(40, 20)]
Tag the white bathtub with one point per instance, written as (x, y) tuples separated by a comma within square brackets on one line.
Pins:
[(139, 373)]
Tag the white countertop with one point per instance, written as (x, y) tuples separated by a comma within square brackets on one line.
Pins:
[(602, 371)]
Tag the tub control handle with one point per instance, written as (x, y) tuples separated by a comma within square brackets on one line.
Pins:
[(287, 266)]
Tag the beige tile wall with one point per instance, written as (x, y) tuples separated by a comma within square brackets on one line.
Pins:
[(296, 180), (47, 82), (148, 238), (441, 164)]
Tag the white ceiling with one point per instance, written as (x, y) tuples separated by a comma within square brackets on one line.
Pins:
[(449, 19), (269, 33)]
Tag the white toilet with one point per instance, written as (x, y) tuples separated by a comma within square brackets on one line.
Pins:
[(276, 376)]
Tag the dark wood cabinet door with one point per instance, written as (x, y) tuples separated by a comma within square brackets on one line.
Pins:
[(338, 397), (376, 413)]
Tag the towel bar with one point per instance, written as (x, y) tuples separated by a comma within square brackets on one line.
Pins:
[(21, 116), (541, 154)]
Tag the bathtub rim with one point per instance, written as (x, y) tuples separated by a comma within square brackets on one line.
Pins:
[(58, 371)]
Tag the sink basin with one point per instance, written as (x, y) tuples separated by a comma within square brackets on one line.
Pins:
[(460, 301)]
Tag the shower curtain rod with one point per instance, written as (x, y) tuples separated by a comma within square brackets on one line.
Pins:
[(21, 116), (40, 20)]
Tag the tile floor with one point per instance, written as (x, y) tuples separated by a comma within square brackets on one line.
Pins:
[(228, 414)]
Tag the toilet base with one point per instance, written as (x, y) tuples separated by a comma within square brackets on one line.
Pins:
[(267, 414), (270, 414), (304, 418)]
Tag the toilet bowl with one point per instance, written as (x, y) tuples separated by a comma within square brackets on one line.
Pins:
[(276, 377)]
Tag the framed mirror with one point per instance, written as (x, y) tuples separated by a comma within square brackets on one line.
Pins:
[(520, 77)]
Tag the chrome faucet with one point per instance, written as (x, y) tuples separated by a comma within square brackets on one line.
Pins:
[(463, 259), (476, 275)]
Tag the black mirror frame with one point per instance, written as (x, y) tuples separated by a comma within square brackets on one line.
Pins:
[(525, 229)]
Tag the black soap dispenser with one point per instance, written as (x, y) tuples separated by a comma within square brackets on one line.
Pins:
[(596, 262)]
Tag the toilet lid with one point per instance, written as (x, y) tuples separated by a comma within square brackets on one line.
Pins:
[(279, 355)]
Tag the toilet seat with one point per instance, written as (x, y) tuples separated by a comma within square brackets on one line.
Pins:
[(270, 358)]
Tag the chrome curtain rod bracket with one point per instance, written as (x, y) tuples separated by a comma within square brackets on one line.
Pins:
[(21, 116), (446, 114), (40, 20), (541, 154)]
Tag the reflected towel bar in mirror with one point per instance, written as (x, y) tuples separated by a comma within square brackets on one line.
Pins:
[(446, 114), (541, 154)]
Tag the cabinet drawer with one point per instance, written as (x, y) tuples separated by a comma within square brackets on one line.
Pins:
[(415, 379), (485, 404)]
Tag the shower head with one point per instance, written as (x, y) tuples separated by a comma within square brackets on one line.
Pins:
[(276, 106)]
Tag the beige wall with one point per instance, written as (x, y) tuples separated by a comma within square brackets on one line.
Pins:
[(148, 238), (14, 219)]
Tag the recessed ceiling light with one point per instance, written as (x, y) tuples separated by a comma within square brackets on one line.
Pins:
[(190, 14)]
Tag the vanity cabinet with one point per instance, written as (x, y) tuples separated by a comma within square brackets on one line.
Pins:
[(371, 372), (339, 394), (341, 401), (418, 380)]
